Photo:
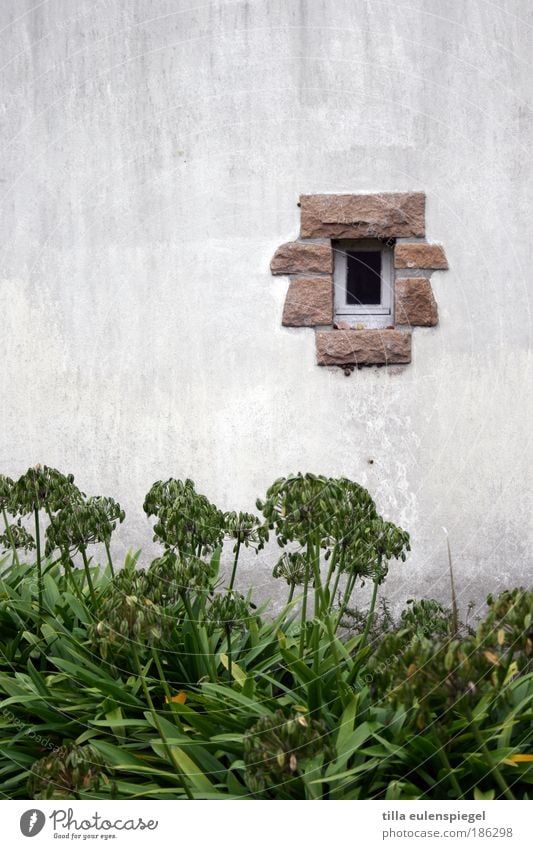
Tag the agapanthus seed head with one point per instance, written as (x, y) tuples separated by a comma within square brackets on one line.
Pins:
[(40, 487), (186, 521), (68, 772), (278, 747)]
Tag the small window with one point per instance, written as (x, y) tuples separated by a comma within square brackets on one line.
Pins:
[(363, 283)]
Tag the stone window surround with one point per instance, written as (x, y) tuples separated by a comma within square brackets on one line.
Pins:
[(398, 220)]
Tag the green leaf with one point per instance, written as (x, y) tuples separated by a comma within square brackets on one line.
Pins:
[(188, 767), (236, 670), (488, 795), (225, 695), (51, 595), (214, 565), (298, 668), (350, 744), (368, 765), (37, 680)]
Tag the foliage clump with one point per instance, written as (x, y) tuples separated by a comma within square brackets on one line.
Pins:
[(278, 750), (187, 522), (167, 682), (70, 772)]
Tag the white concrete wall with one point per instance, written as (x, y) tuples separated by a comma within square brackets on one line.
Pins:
[(153, 154)]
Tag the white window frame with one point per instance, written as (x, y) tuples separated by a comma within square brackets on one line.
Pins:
[(371, 315)]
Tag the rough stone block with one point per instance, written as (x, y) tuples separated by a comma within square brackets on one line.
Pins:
[(302, 258), (362, 347), (309, 302), (414, 302), (363, 216), (419, 255)]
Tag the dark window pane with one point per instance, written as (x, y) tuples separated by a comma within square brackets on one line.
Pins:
[(363, 277)]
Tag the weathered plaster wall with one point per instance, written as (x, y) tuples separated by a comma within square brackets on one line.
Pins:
[(153, 154)]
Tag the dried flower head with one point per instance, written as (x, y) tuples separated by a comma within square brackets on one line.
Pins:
[(16, 536), (127, 615), (83, 522), (291, 566), (230, 610), (42, 486), (277, 750), (70, 772), (246, 529), (173, 574), (6, 488), (186, 520)]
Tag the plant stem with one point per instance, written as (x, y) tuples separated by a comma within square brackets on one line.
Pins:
[(340, 570), (160, 731), (364, 636), (314, 553), (39, 562), (500, 780), (235, 561), (447, 766), (228, 640), (291, 593), (162, 676), (370, 614), (332, 565), (335, 586), (304, 608), (346, 598), (88, 574), (109, 560), (16, 561), (69, 574), (455, 610)]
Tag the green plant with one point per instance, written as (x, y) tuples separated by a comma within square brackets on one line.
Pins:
[(82, 522), (339, 517), (230, 611), (40, 488), (246, 529), (16, 537), (281, 753), (155, 684), (292, 566), (70, 772), (187, 522), (354, 621)]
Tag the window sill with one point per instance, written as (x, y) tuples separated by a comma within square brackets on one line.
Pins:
[(362, 347)]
